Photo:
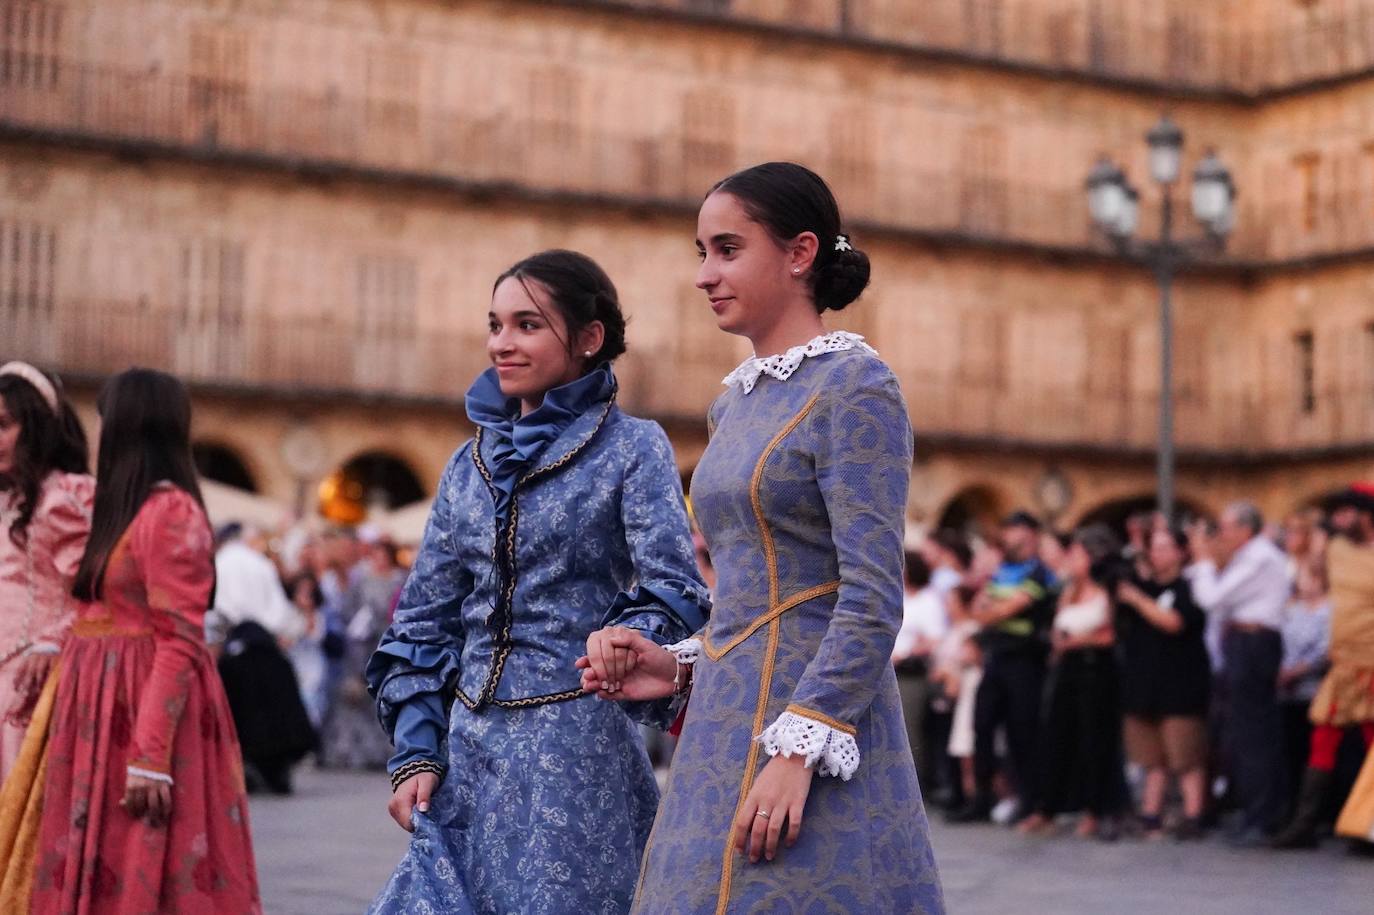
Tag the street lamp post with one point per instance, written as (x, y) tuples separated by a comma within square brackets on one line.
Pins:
[(1115, 208)]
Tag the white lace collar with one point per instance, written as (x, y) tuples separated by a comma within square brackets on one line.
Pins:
[(782, 365)]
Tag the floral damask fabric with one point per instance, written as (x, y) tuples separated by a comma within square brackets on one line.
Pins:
[(137, 689), (801, 495), (548, 795), (36, 584)]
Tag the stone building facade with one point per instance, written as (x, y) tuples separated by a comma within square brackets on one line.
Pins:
[(299, 206)]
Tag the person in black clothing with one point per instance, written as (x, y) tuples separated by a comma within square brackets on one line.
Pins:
[(1165, 683), (1013, 610), (1080, 739), (273, 728)]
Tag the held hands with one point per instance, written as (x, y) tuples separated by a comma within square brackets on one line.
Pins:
[(622, 664), (147, 799), (777, 798), (413, 794)]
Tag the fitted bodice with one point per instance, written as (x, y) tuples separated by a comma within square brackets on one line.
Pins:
[(760, 491)]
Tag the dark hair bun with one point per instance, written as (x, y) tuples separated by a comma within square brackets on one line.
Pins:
[(841, 279), (788, 199)]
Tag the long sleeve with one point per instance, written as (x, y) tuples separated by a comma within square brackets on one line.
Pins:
[(67, 520), (669, 600), (172, 546), (1214, 589), (417, 659), (863, 465)]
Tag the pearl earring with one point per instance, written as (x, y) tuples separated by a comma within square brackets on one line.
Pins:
[(796, 270), (588, 354)]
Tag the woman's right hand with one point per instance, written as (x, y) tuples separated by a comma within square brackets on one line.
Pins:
[(650, 675), (413, 794)]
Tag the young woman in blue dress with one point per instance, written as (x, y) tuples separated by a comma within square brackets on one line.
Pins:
[(561, 516), (792, 787)]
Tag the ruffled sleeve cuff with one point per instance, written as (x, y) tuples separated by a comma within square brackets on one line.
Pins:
[(687, 651), (401, 671), (826, 745), (664, 611)]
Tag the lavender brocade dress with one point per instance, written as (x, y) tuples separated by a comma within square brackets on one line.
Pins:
[(801, 495)]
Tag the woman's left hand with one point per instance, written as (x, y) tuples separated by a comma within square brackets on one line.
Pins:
[(147, 799), (778, 796), (33, 671), (34, 668)]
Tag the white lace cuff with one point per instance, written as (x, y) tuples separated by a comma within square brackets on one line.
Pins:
[(687, 651), (150, 774), (829, 750)]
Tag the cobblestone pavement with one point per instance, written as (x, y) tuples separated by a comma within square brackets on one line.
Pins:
[(330, 847)]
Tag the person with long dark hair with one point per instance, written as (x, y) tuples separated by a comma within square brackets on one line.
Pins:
[(792, 787), (1080, 742), (143, 806), (45, 516), (1166, 681), (562, 515)]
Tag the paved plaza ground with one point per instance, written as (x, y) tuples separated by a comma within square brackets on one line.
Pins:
[(328, 849)]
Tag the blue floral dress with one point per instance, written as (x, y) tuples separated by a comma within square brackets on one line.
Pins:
[(545, 528), (801, 495)]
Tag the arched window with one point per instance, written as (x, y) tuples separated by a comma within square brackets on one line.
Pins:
[(372, 480), (973, 510), (219, 462)]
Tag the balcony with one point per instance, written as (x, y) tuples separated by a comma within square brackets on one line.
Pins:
[(526, 156), (294, 357), (1174, 45)]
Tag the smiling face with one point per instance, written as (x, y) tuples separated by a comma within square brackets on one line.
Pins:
[(527, 341), (749, 278)]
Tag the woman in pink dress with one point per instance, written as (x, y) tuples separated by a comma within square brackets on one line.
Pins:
[(45, 515), (144, 807)]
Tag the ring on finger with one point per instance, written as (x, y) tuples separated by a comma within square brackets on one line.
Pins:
[(761, 813)]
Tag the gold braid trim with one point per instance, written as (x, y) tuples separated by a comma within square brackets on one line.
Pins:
[(414, 768), (505, 619)]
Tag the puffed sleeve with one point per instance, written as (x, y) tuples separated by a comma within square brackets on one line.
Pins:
[(416, 664), (172, 546), (669, 601), (66, 519), (863, 446)]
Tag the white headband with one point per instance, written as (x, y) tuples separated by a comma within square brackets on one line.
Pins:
[(34, 377)]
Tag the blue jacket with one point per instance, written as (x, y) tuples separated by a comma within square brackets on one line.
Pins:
[(544, 529)]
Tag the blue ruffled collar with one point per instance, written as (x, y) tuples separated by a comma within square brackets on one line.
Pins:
[(518, 441)]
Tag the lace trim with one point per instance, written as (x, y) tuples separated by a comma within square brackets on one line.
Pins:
[(830, 751), (782, 365), (151, 775), (687, 651)]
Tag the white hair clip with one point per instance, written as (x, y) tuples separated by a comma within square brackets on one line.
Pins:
[(842, 243)]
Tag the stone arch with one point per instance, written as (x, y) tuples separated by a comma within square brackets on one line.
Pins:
[(974, 509), (1114, 511), (373, 479), (223, 463)]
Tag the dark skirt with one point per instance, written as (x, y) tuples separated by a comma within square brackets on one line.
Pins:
[(264, 698), (1080, 740)]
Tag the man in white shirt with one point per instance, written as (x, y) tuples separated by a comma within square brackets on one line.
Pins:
[(1241, 578), (924, 622), (248, 588)]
